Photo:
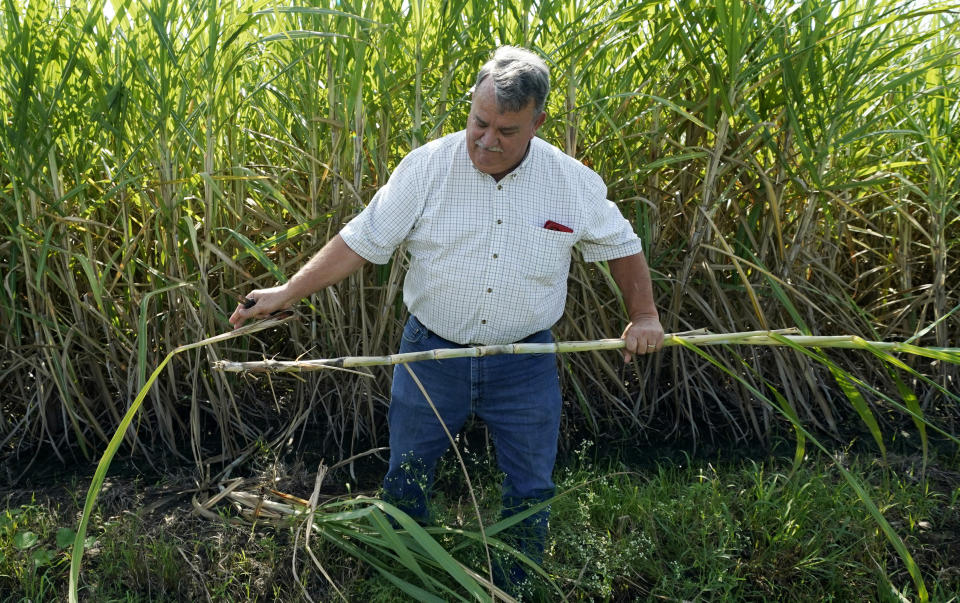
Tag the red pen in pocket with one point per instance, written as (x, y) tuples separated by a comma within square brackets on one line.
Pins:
[(551, 225)]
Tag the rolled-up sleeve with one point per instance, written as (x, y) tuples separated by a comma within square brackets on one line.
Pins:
[(383, 225)]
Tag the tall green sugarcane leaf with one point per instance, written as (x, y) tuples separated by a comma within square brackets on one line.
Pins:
[(860, 405)]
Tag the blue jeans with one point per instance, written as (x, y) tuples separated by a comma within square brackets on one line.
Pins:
[(517, 396)]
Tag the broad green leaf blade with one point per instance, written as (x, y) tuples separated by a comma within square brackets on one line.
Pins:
[(860, 405)]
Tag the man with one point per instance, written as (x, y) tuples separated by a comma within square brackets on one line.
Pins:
[(489, 216)]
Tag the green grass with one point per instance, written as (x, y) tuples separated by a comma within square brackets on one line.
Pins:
[(148, 546), (674, 527), (749, 530)]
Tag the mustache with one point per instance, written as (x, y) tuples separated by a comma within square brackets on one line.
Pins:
[(477, 143)]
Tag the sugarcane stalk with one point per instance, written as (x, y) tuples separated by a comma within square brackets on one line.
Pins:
[(781, 337)]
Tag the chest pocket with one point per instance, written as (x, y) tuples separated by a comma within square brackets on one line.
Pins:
[(546, 254)]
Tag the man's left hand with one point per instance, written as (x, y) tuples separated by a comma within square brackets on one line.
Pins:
[(643, 335)]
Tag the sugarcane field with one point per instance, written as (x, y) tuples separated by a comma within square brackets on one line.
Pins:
[(480, 300)]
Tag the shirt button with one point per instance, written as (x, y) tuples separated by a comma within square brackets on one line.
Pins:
[(489, 290), (495, 256), (499, 221), (499, 187), (483, 322)]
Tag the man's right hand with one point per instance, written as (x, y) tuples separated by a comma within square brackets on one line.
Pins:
[(329, 266), (267, 301)]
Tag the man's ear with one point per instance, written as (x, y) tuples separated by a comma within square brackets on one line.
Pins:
[(539, 121)]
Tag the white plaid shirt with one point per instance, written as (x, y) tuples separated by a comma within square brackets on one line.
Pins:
[(483, 269)]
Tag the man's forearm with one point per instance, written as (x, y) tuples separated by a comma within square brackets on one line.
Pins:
[(632, 276), (333, 263)]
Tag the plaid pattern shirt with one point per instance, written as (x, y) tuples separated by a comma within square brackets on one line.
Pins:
[(483, 269)]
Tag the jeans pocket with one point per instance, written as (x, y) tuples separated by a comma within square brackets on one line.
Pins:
[(414, 332)]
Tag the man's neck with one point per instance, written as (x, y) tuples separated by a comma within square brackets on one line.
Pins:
[(502, 175)]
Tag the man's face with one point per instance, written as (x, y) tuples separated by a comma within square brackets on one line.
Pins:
[(497, 141)]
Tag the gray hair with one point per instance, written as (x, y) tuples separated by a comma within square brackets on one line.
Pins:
[(518, 76)]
